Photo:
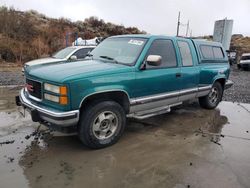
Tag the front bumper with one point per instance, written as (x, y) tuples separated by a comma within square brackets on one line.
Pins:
[(58, 120), (228, 84)]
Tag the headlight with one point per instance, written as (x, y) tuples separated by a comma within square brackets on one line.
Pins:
[(52, 88), (51, 97), (62, 90), (63, 100)]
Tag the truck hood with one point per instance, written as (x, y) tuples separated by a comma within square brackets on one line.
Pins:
[(43, 61), (65, 71)]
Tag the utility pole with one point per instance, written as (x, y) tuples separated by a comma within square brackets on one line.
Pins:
[(184, 25), (178, 24), (187, 28)]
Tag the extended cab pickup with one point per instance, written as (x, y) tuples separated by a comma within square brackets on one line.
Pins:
[(134, 76)]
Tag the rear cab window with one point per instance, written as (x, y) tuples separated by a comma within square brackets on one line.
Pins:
[(186, 55)]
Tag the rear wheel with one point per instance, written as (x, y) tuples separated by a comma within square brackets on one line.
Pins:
[(211, 100), (101, 124)]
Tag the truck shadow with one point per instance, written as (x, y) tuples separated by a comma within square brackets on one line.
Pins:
[(183, 122)]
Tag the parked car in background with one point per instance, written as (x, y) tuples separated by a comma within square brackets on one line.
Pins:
[(136, 76), (244, 61), (232, 56), (72, 53)]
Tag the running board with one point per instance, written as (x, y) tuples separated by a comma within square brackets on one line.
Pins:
[(152, 112)]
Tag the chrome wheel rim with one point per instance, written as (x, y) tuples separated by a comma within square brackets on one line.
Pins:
[(213, 95), (105, 125)]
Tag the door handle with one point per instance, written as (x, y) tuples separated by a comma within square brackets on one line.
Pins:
[(178, 75)]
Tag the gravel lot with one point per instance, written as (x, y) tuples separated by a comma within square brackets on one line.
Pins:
[(11, 76), (239, 92)]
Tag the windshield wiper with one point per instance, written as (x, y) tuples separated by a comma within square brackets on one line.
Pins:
[(109, 58)]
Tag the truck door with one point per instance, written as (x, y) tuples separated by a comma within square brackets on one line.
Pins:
[(159, 85), (189, 70)]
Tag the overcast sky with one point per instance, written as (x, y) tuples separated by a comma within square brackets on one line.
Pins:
[(153, 16)]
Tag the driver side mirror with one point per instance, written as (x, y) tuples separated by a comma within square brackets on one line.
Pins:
[(73, 57), (154, 60)]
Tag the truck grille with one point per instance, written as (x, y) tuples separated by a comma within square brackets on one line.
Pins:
[(34, 88)]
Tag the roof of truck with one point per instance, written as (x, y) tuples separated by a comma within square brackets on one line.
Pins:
[(147, 36), (197, 41)]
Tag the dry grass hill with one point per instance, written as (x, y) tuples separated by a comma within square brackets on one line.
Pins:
[(29, 35)]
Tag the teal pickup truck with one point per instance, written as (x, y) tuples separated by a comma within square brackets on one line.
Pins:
[(136, 76)]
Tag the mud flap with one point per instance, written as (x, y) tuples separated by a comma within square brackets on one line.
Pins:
[(18, 102), (35, 115)]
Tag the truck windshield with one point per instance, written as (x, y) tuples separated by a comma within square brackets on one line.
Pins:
[(245, 57), (123, 50), (63, 53)]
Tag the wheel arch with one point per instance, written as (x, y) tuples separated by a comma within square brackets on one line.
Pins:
[(221, 80), (119, 96)]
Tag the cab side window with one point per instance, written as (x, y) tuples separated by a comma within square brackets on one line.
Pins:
[(186, 55), (80, 54), (166, 50)]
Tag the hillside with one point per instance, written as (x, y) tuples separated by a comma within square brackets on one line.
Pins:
[(29, 35), (240, 43)]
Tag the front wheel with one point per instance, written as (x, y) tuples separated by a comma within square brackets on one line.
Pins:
[(211, 100), (101, 124)]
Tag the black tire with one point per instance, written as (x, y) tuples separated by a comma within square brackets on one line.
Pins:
[(95, 113), (209, 102)]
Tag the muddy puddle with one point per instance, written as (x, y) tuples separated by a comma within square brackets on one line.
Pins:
[(189, 147)]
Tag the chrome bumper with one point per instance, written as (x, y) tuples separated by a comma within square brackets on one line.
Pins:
[(228, 84), (49, 117)]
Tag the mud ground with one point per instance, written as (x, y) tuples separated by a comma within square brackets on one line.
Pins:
[(189, 147)]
